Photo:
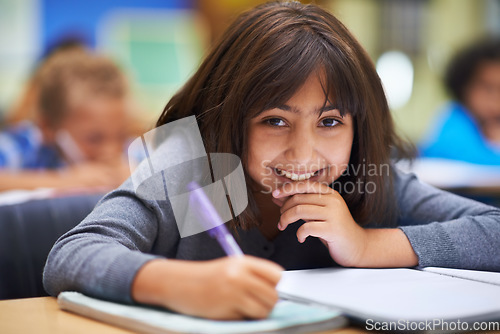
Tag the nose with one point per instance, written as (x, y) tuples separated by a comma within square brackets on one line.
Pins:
[(301, 146)]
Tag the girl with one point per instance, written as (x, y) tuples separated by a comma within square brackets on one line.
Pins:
[(291, 92)]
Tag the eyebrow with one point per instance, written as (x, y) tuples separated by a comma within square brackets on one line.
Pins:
[(321, 110)]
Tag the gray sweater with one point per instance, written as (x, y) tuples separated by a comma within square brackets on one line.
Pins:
[(101, 256)]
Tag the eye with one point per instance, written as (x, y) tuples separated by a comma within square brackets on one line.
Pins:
[(274, 121), (328, 122)]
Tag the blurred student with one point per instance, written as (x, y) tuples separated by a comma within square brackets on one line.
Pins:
[(25, 107), (468, 129), (78, 136)]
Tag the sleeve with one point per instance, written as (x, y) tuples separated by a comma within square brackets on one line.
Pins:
[(101, 256), (18, 144), (10, 155), (447, 230)]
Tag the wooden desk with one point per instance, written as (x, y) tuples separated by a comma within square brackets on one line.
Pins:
[(42, 315)]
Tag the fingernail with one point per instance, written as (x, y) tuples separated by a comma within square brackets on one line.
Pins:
[(276, 192)]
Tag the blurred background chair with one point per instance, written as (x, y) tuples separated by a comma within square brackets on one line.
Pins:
[(27, 232)]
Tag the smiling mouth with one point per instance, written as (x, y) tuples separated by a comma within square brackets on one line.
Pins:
[(296, 177)]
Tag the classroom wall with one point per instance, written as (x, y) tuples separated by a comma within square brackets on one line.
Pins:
[(160, 42), (19, 46), (442, 28), (60, 17)]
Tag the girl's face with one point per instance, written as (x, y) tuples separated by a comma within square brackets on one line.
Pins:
[(304, 140), (98, 128)]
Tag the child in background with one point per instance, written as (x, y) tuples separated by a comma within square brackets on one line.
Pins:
[(25, 107), (468, 129), (79, 133), (290, 91)]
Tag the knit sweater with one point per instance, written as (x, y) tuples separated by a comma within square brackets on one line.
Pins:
[(101, 256)]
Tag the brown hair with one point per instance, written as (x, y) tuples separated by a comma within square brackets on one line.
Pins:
[(70, 75), (261, 61)]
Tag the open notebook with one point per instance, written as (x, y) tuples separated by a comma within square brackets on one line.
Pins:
[(407, 297), (321, 299), (287, 316)]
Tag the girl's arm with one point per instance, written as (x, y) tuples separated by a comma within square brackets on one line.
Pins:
[(101, 256), (436, 228), (447, 230), (118, 253), (100, 176)]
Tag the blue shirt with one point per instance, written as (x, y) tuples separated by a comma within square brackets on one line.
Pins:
[(22, 147), (456, 135)]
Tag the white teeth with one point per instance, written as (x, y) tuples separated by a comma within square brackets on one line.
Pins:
[(295, 177)]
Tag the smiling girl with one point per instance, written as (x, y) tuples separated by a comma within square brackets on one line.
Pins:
[(293, 94)]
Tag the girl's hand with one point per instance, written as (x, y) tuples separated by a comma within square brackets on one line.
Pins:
[(98, 175), (228, 288), (326, 216)]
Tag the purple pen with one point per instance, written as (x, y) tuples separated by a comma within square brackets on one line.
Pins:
[(211, 220)]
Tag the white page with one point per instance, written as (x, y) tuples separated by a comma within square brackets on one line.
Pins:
[(17, 196), (394, 294), (475, 275), (285, 316), (446, 173)]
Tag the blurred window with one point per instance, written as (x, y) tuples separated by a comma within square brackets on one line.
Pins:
[(161, 48)]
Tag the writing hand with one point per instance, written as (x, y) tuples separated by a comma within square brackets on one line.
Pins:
[(229, 288)]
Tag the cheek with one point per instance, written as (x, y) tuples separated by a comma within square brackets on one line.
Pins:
[(338, 156), (480, 102), (261, 152), (338, 165), (474, 99), (257, 148), (256, 161), (253, 155)]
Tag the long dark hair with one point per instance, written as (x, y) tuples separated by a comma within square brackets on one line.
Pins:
[(261, 61)]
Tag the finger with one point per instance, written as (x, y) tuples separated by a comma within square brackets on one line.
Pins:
[(252, 308), (231, 315), (262, 290), (290, 189), (279, 201), (301, 199), (304, 212), (318, 229), (265, 269), (226, 314)]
